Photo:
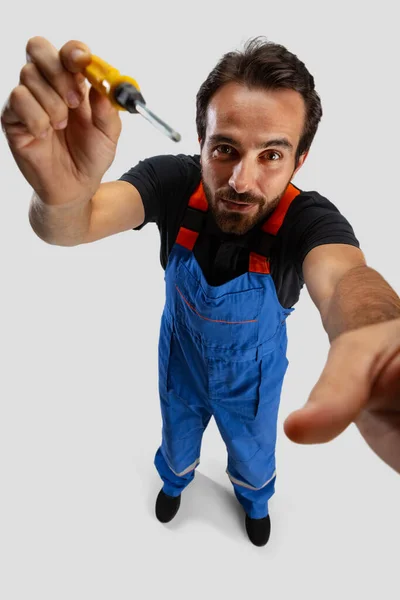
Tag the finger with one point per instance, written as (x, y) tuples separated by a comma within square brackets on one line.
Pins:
[(24, 114), (46, 96), (101, 113), (48, 62), (337, 398), (75, 56), (97, 111), (104, 115)]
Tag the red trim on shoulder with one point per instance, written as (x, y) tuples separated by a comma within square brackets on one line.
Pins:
[(198, 199), (258, 263), (187, 238), (274, 222)]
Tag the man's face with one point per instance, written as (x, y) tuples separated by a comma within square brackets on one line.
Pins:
[(248, 155)]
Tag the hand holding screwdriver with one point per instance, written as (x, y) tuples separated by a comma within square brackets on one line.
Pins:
[(62, 135)]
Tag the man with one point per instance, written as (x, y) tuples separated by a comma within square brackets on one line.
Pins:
[(238, 241)]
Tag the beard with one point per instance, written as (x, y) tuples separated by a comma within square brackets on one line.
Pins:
[(237, 222)]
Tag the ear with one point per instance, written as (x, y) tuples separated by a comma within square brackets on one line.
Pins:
[(301, 162)]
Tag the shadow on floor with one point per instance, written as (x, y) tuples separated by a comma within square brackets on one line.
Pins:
[(209, 502)]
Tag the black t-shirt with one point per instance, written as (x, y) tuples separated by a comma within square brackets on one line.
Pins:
[(166, 184)]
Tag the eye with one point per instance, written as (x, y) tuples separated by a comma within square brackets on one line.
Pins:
[(273, 155), (223, 150)]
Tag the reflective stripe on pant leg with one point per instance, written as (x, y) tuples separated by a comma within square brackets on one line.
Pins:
[(189, 468), (254, 501), (174, 483), (246, 485), (253, 492)]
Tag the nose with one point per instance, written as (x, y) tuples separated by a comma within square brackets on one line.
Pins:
[(242, 178)]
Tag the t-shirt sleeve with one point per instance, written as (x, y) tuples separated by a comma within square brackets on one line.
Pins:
[(315, 221), (160, 180), (165, 184)]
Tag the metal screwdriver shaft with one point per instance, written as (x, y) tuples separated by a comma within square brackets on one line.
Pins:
[(132, 100), (157, 122)]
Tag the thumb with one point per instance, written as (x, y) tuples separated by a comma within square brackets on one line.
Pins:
[(96, 109), (338, 396), (104, 115)]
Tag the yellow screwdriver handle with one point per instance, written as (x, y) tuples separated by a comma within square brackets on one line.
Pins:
[(105, 78)]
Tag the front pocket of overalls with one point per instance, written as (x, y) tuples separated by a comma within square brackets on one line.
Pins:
[(235, 386), (186, 374), (220, 320)]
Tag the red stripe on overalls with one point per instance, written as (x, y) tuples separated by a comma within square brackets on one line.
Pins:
[(258, 263)]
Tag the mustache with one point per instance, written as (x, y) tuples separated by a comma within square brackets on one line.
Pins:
[(245, 198)]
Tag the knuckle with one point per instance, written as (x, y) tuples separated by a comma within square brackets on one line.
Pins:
[(2, 117), (17, 94), (27, 73), (58, 71), (39, 124), (58, 110)]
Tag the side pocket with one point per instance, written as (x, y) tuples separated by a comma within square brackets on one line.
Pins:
[(164, 353), (273, 370), (282, 344)]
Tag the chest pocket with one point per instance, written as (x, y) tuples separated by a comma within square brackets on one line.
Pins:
[(219, 318)]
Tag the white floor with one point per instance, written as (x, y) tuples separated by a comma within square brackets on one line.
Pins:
[(77, 519)]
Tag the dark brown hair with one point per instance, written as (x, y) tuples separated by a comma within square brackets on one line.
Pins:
[(263, 64)]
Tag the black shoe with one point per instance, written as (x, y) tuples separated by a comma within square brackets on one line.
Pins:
[(167, 507), (258, 530)]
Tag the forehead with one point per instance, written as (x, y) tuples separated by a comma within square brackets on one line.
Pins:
[(236, 109)]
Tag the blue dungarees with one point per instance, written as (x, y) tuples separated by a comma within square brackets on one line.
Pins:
[(222, 352)]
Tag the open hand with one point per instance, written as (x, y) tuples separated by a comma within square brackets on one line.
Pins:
[(360, 383)]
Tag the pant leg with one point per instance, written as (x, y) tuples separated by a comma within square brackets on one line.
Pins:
[(179, 454), (251, 461), (254, 500), (173, 484), (245, 400), (184, 407)]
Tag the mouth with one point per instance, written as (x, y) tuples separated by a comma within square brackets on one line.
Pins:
[(237, 206)]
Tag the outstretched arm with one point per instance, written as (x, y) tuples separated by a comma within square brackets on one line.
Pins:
[(361, 380)]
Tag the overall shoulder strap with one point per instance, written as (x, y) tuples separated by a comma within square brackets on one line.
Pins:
[(193, 220), (259, 258)]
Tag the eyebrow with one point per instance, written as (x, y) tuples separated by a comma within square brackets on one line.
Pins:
[(223, 139)]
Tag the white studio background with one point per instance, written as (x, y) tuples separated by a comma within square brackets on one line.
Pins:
[(79, 415)]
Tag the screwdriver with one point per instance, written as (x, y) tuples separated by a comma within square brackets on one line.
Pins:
[(124, 93)]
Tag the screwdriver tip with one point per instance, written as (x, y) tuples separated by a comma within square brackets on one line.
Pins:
[(175, 136), (157, 122)]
